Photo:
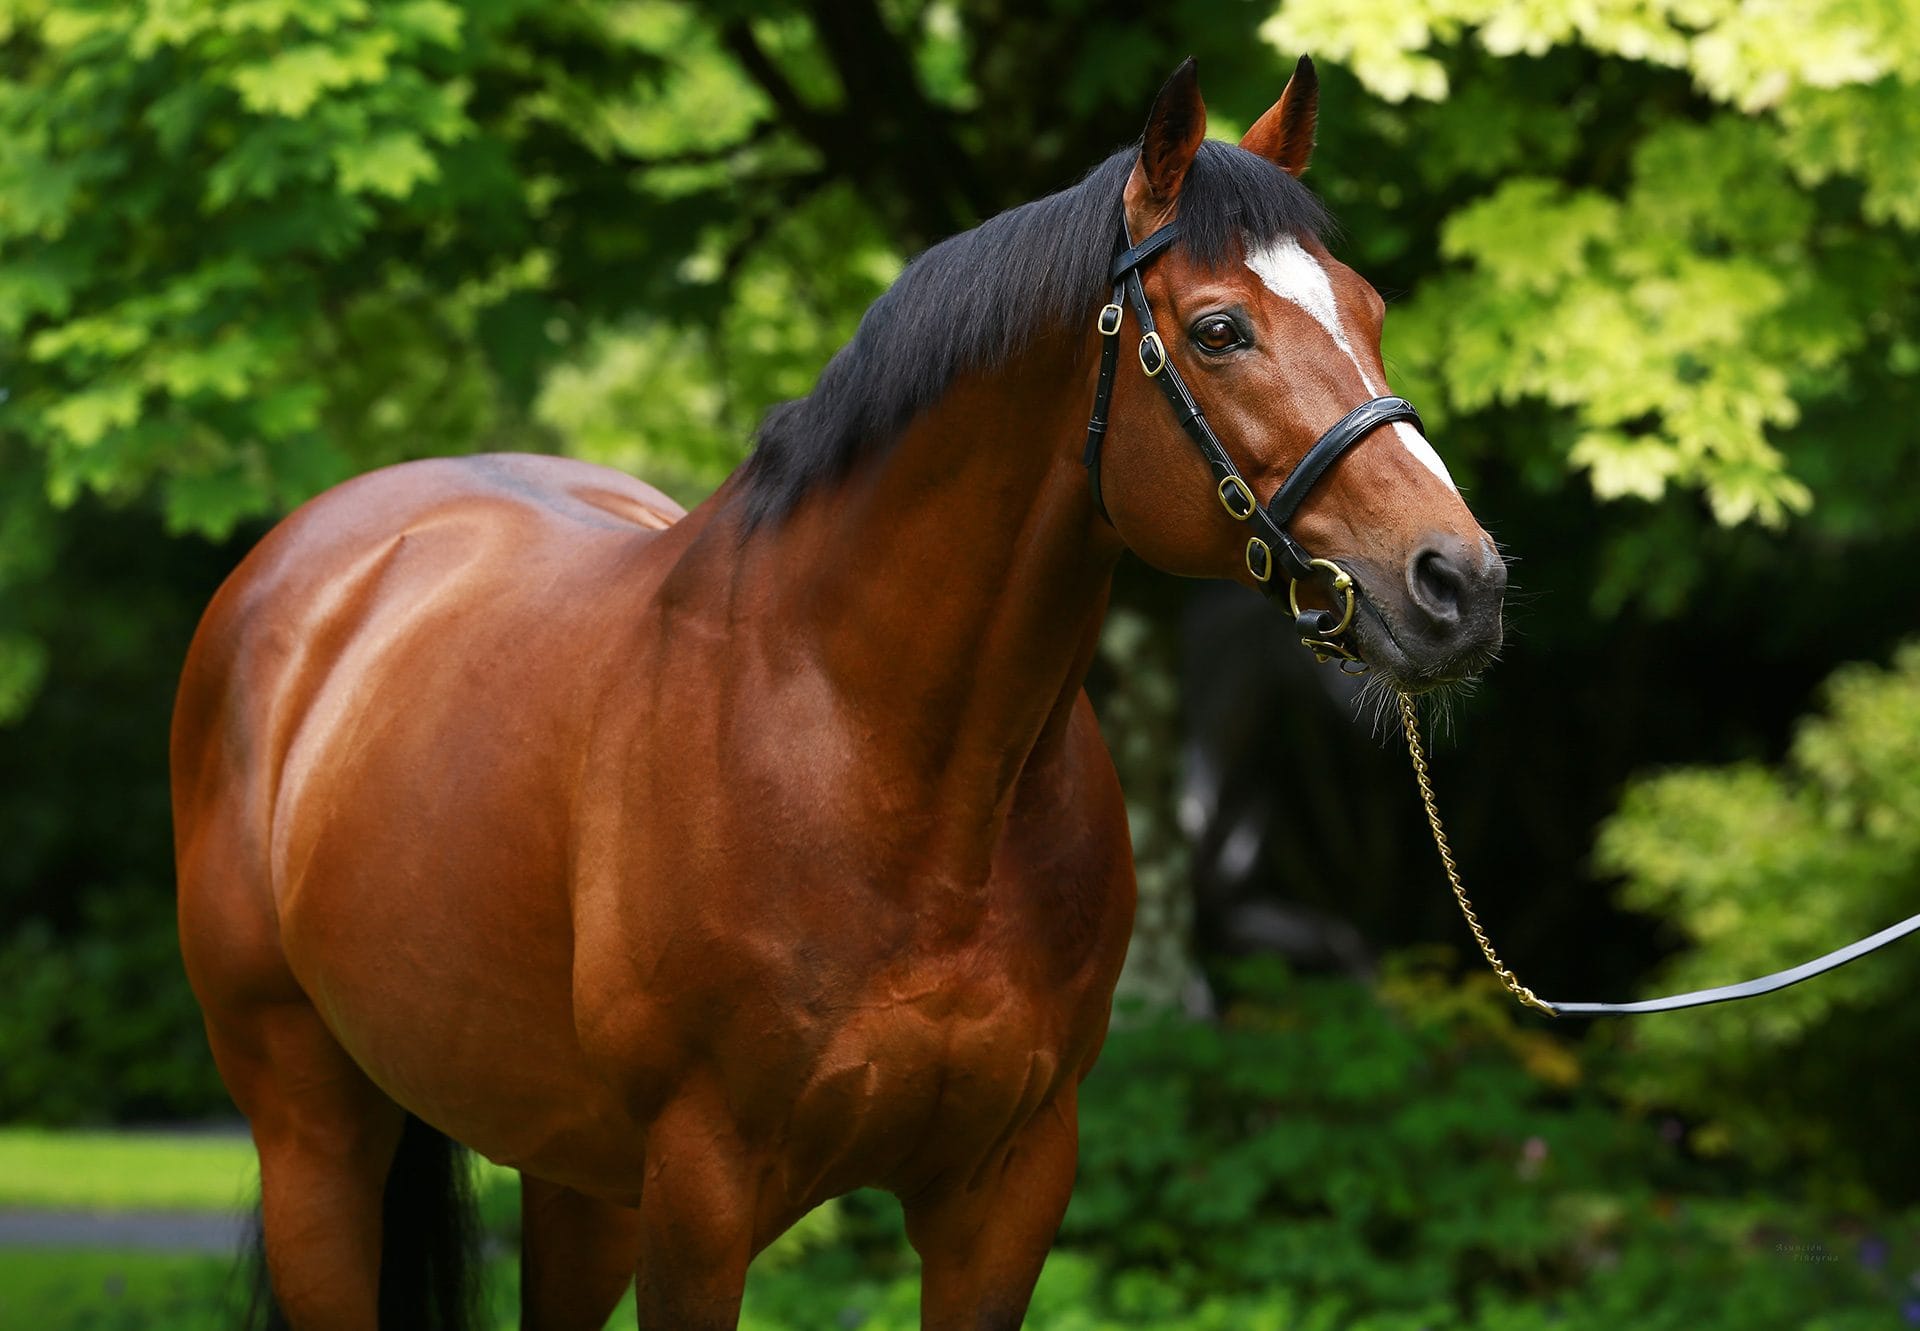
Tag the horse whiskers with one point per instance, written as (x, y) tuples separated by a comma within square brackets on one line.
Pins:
[(1380, 693)]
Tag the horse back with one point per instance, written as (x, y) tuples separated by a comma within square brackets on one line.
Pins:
[(429, 570)]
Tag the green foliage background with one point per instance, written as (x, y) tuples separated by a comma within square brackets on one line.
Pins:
[(1653, 266)]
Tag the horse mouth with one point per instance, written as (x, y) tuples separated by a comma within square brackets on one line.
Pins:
[(1420, 668)]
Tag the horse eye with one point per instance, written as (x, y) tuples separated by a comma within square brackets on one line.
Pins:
[(1216, 332)]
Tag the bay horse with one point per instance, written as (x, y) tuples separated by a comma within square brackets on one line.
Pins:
[(706, 866)]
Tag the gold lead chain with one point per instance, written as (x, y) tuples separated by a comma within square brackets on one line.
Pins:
[(1410, 721)]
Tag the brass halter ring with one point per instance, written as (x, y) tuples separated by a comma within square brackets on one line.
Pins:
[(1326, 646)]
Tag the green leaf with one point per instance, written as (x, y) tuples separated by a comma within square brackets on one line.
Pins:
[(391, 164), (87, 416), (426, 21), (23, 664), (290, 82)]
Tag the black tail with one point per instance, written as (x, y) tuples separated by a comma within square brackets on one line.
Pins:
[(430, 1249), (262, 1309), (430, 1244)]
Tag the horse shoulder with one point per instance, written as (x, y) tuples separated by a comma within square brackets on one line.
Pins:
[(1069, 861)]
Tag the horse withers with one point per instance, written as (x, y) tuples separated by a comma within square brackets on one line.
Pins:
[(706, 866)]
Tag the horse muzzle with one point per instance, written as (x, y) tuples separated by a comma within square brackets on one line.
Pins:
[(1436, 620)]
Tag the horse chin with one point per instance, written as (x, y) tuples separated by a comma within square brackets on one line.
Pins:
[(1393, 665)]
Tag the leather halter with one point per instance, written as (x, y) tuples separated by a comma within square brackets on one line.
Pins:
[(1318, 628), (1270, 540)]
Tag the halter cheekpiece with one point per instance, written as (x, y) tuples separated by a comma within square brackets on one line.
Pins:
[(1270, 544)]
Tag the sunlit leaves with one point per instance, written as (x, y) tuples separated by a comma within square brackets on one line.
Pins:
[(289, 82), (1761, 868), (1748, 55), (87, 416), (244, 132), (697, 99), (390, 164), (1872, 133), (1382, 41), (676, 403), (1667, 321), (1684, 320)]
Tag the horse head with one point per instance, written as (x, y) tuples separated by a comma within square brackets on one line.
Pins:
[(1265, 345)]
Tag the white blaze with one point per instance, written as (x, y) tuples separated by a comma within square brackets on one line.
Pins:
[(1289, 272)]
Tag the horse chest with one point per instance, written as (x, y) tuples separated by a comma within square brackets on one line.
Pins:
[(914, 1086), (881, 1009)]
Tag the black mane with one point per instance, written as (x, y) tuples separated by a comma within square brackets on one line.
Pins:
[(976, 300)]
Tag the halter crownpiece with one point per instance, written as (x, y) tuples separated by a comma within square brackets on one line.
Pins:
[(1270, 543)]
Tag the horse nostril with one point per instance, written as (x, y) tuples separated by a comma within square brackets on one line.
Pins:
[(1437, 584)]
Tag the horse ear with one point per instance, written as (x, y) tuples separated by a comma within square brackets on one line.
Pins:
[(1175, 127), (1284, 135)]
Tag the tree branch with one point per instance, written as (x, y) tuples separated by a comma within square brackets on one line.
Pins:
[(889, 140)]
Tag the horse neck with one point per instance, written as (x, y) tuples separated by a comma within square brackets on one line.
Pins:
[(952, 591)]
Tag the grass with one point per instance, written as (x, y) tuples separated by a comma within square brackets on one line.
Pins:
[(52, 1289), (89, 1291), (78, 1290), (82, 1290), (111, 1291), (159, 1171), (110, 1171)]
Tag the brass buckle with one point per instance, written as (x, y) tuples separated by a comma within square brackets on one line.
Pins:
[(1159, 361), (1259, 559), (1109, 320), (1326, 647), (1237, 498)]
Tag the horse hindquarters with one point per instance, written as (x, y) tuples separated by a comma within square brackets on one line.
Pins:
[(359, 1203), (365, 1220), (364, 1214)]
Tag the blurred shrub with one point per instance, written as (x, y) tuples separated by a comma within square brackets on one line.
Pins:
[(1326, 1158), (1329, 1158), (1758, 868), (1392, 1156), (1691, 295), (96, 1022), (100, 1025), (676, 402)]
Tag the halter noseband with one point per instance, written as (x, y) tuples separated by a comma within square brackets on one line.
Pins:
[(1320, 630)]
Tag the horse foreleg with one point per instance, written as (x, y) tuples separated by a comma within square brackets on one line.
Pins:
[(697, 1214), (577, 1257), (983, 1241)]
